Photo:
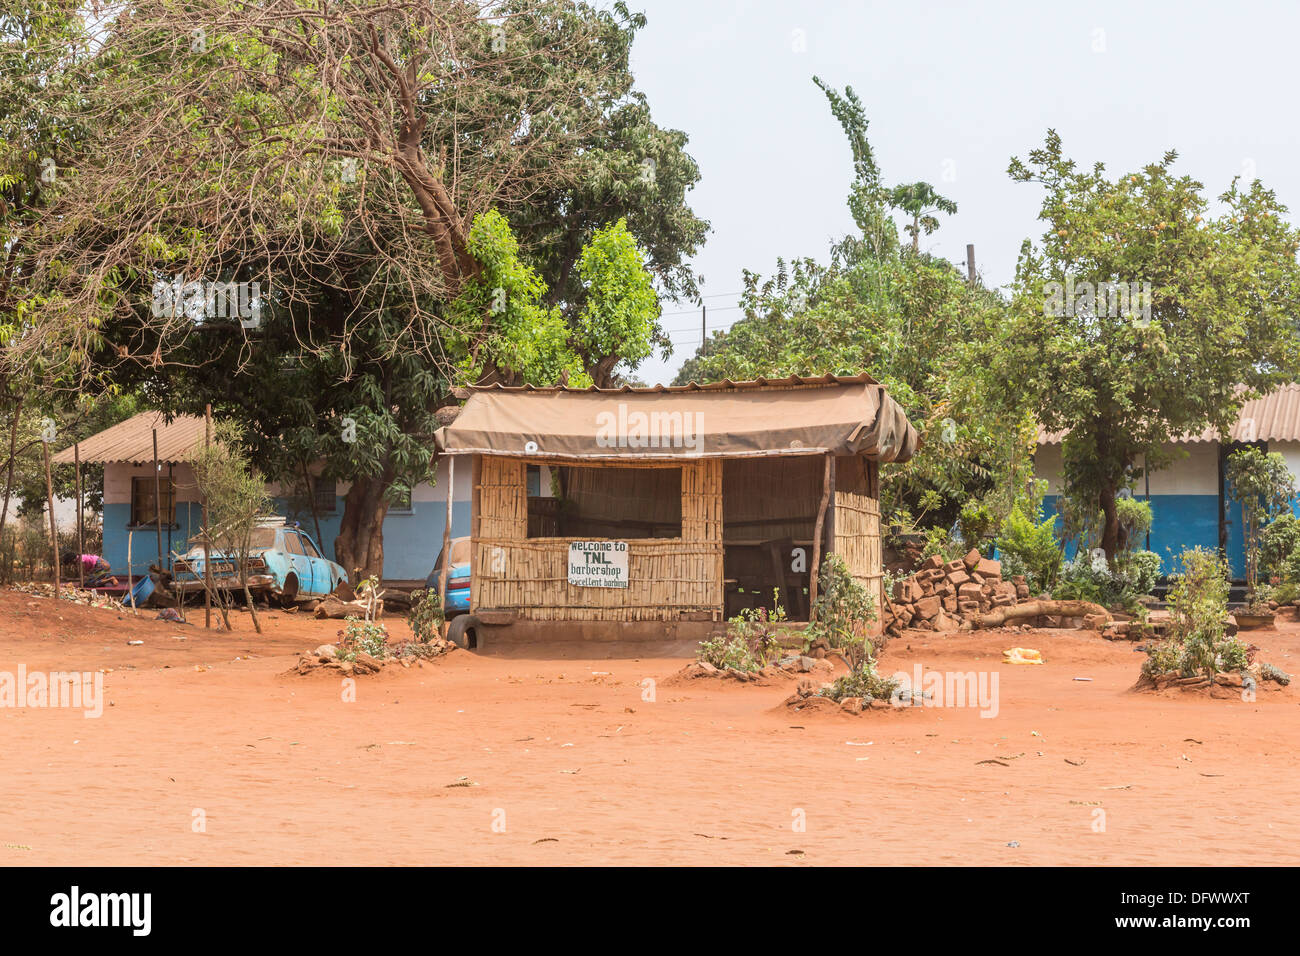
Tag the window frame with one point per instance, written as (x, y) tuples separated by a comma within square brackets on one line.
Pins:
[(168, 487)]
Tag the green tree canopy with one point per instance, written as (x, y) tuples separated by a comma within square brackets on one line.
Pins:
[(1141, 316)]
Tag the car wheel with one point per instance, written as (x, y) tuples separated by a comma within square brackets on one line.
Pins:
[(290, 590), (463, 631)]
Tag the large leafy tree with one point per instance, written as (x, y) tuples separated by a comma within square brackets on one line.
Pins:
[(352, 157), (1124, 376), (882, 307)]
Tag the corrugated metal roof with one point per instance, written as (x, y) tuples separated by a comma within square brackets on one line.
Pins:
[(790, 381), (1273, 417), (132, 441)]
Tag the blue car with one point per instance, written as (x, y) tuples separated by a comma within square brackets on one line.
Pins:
[(458, 573), (283, 564)]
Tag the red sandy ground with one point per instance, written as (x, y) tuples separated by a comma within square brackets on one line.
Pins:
[(579, 768)]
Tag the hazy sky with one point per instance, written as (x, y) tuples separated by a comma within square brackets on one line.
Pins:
[(952, 92)]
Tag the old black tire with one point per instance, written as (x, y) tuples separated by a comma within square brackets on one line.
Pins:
[(290, 590), (463, 631)]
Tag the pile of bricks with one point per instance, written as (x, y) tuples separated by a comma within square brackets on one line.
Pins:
[(944, 597)]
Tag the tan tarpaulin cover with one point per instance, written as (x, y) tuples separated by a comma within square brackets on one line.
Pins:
[(845, 416)]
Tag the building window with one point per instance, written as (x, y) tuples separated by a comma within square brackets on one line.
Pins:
[(143, 511), (323, 491), (400, 496), (606, 502)]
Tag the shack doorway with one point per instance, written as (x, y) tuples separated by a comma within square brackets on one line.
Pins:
[(769, 508)]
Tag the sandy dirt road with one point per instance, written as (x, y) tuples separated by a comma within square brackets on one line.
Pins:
[(572, 764)]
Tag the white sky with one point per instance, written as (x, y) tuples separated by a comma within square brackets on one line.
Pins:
[(953, 91)]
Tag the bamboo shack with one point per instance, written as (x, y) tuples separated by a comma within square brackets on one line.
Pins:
[(652, 513)]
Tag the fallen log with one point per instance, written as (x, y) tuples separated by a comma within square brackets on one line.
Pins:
[(1014, 612), (332, 607)]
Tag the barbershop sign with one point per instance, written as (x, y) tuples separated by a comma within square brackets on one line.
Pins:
[(598, 564)]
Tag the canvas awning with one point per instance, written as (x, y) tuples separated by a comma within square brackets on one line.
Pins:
[(843, 415)]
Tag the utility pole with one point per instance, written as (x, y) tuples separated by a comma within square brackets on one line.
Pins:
[(704, 324), (970, 262)]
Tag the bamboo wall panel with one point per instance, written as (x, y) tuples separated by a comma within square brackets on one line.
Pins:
[(857, 525), (666, 576)]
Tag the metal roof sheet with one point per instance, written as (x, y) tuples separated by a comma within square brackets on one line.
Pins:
[(1271, 417), (132, 441)]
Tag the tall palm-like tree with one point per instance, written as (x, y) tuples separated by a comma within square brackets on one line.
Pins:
[(920, 201)]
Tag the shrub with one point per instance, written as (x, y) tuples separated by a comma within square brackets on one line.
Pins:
[(939, 541), (751, 642), (863, 682), (1089, 578), (360, 636), (1030, 548), (1197, 641), (975, 523), (842, 611), (1279, 541), (1142, 568), (425, 617), (1263, 485)]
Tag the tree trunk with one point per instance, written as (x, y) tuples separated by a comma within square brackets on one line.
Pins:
[(1110, 524), (9, 478), (359, 546)]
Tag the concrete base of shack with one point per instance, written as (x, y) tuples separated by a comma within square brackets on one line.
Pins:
[(628, 638)]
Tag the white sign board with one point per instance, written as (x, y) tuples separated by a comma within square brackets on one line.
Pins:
[(598, 564)]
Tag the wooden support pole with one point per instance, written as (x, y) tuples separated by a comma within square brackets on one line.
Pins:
[(49, 503), (207, 549), (970, 262), (817, 538), (157, 499), (81, 529), (446, 536)]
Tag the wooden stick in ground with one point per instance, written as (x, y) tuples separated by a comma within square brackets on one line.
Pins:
[(208, 594), (446, 544), (817, 538), (207, 549), (81, 531), (248, 595), (49, 501), (130, 585), (157, 499)]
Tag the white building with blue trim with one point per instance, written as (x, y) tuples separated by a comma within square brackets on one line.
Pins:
[(1191, 504), (413, 528)]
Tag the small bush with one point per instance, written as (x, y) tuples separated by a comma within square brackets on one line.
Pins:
[(975, 524), (1141, 568), (360, 636), (842, 612), (751, 642), (425, 617), (1197, 641), (862, 682), (1279, 542), (1029, 547), (1089, 578)]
